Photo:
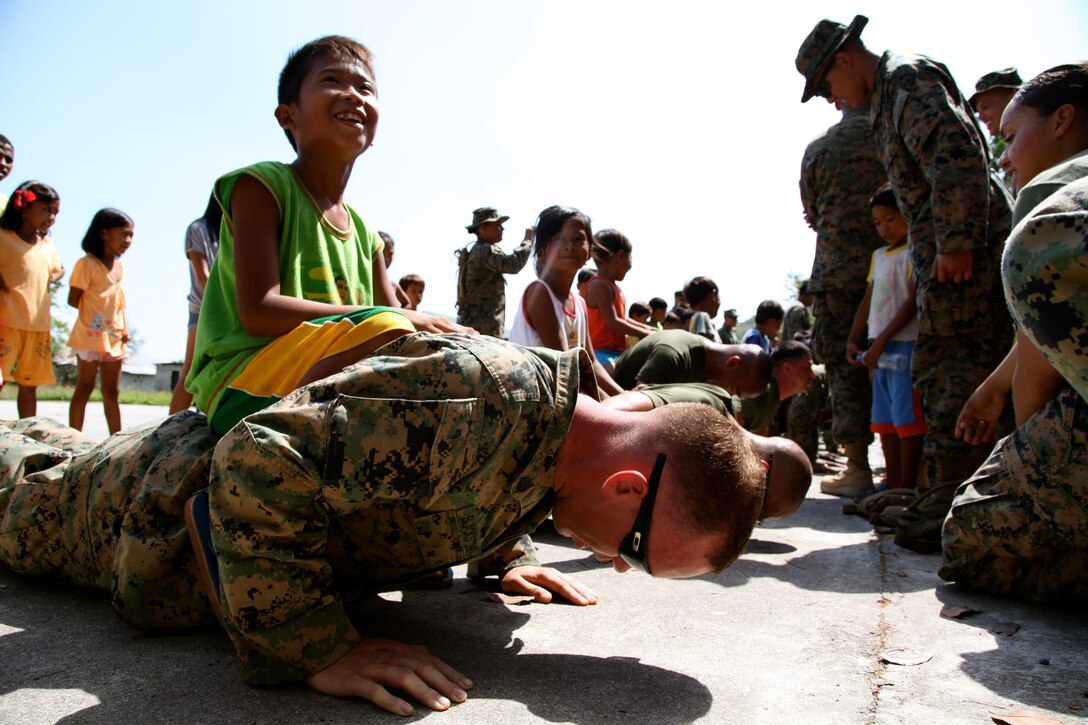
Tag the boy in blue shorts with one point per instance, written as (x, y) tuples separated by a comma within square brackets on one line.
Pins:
[(291, 297), (889, 309)]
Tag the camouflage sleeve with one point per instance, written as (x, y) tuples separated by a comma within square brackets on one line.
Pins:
[(809, 187), (280, 607), (511, 263), (947, 148), (519, 552)]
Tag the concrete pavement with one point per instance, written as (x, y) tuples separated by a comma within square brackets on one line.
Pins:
[(799, 629)]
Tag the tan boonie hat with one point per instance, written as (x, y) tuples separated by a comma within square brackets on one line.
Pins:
[(731, 312), (819, 48), (483, 215), (1004, 78)]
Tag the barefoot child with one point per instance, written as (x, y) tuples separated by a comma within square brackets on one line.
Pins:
[(290, 298), (608, 322), (29, 263), (97, 290), (889, 309), (551, 314)]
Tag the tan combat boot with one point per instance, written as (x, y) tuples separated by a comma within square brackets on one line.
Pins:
[(856, 479)]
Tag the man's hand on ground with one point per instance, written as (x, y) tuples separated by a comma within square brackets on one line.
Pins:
[(540, 582), (374, 664)]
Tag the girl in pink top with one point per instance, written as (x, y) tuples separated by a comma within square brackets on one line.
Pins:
[(97, 290)]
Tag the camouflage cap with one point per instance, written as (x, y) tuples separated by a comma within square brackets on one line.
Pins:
[(731, 312), (1005, 78), (483, 215), (819, 48)]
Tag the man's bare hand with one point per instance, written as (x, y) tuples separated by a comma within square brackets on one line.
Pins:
[(953, 267), (375, 664), (540, 582), (433, 323)]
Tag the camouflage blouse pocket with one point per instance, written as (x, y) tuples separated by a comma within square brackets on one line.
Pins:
[(414, 451)]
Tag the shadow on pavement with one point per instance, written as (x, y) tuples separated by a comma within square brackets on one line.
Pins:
[(1044, 663), (73, 647)]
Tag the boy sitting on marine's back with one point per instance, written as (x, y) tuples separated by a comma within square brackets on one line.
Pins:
[(291, 296)]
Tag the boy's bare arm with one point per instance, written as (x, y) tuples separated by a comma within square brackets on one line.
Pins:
[(541, 316), (263, 311), (75, 294)]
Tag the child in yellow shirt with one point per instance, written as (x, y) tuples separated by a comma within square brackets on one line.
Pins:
[(29, 263)]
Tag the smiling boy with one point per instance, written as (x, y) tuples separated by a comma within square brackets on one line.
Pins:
[(291, 296)]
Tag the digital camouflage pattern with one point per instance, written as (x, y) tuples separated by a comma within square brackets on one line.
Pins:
[(840, 172), (848, 385), (438, 451), (1019, 527), (433, 452), (481, 293), (108, 516), (1045, 271), (806, 409), (938, 163)]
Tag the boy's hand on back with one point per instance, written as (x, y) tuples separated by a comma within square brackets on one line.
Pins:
[(433, 323), (374, 664)]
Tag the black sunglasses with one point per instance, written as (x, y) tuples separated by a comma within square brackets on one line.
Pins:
[(634, 546), (823, 90)]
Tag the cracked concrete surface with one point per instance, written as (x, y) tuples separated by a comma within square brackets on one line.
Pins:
[(794, 631)]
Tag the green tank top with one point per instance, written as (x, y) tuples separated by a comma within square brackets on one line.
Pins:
[(317, 262)]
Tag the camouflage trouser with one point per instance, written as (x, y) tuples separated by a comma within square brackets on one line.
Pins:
[(851, 394), (108, 516), (1019, 527), (806, 409), (946, 370)]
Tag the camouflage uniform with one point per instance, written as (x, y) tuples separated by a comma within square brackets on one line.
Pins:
[(436, 452), (481, 297), (805, 411), (839, 174), (1020, 526), (938, 164)]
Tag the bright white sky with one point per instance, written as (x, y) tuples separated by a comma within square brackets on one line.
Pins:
[(676, 122)]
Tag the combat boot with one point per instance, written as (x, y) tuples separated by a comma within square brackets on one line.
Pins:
[(856, 479), (919, 527)]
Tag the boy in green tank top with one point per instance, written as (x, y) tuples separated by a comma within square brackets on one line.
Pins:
[(299, 290)]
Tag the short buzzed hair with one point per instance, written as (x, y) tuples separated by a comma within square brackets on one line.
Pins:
[(717, 475)]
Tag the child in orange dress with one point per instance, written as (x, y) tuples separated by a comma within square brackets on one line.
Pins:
[(100, 333)]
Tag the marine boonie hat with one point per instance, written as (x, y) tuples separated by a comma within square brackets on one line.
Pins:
[(1004, 78), (483, 215), (819, 49), (731, 312)]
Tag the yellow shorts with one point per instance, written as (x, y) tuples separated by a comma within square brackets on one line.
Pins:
[(277, 369), (26, 357)]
